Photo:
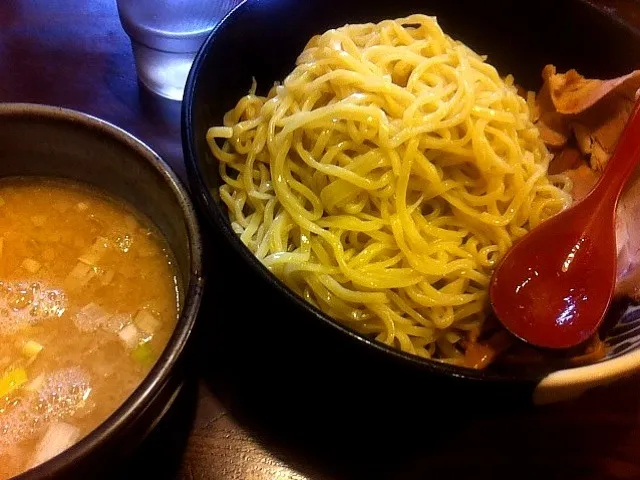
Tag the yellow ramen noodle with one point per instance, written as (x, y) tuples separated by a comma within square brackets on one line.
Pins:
[(385, 177)]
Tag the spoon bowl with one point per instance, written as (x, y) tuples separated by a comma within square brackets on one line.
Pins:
[(553, 288)]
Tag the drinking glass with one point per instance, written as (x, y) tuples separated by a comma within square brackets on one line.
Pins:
[(165, 37)]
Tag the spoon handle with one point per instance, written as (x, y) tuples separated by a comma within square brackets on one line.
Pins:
[(624, 159)]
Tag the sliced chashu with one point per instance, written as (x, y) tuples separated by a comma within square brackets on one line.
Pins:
[(594, 112)]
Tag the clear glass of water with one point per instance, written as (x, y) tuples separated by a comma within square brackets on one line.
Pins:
[(165, 37)]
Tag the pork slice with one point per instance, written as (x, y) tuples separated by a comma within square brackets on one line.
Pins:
[(628, 240), (627, 227), (591, 111), (591, 114)]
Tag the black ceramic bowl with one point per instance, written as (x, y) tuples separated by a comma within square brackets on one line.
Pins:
[(262, 38), (47, 141)]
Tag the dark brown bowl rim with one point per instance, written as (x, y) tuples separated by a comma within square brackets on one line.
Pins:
[(159, 375)]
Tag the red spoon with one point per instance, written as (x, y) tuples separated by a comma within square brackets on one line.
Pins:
[(552, 288)]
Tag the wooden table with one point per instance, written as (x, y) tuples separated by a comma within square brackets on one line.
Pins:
[(74, 53)]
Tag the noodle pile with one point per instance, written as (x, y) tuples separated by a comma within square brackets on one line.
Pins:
[(384, 179)]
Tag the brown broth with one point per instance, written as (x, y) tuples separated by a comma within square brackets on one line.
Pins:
[(85, 370)]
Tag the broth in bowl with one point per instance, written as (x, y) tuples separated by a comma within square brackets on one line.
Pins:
[(89, 298)]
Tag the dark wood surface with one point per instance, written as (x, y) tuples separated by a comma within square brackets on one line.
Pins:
[(73, 53)]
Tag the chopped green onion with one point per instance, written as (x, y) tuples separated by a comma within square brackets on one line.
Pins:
[(11, 380), (57, 438), (129, 335), (31, 349), (90, 317), (96, 251), (116, 322), (79, 276), (143, 354), (146, 322)]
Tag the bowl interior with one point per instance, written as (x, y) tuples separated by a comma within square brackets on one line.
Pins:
[(41, 141), (57, 145), (262, 38)]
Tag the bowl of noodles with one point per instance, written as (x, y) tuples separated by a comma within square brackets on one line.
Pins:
[(367, 164)]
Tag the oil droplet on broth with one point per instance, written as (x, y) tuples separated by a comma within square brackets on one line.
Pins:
[(63, 393), (28, 303)]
